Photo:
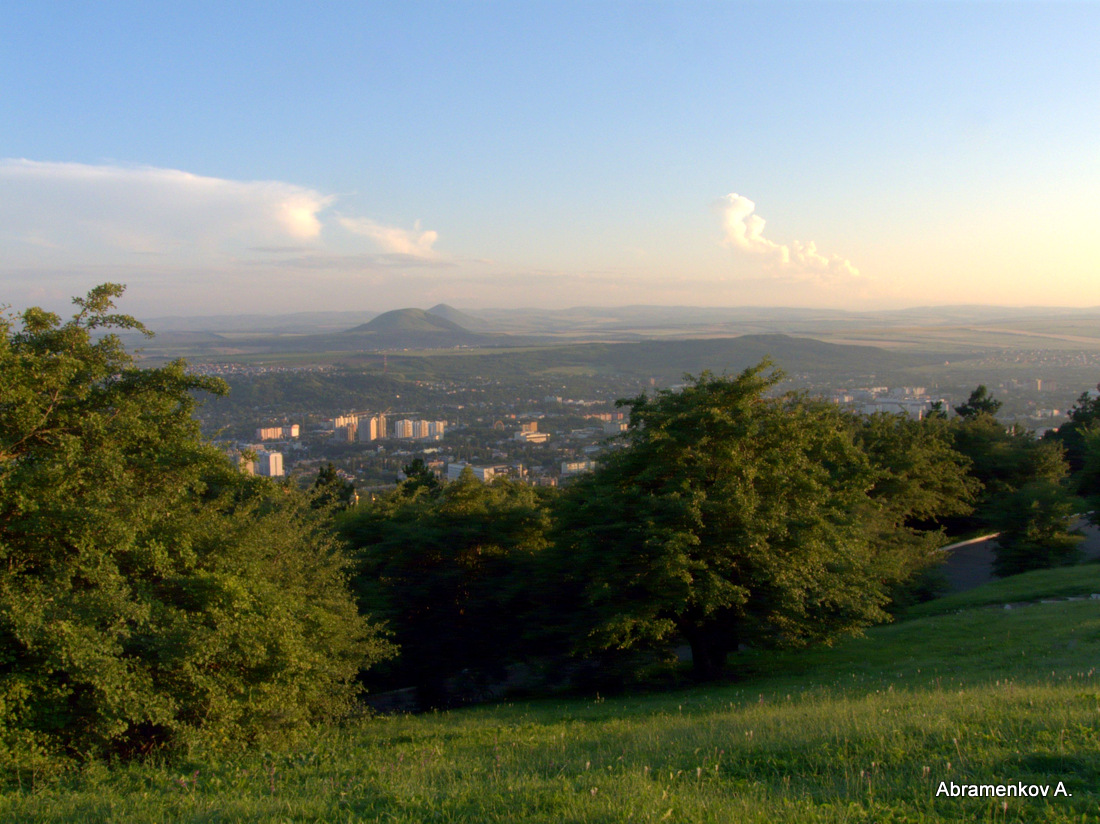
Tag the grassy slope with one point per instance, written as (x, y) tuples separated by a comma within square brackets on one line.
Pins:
[(860, 733), (1064, 582)]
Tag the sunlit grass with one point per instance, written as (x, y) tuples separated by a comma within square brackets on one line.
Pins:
[(863, 732)]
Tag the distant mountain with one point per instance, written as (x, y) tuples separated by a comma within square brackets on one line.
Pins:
[(413, 329), (464, 320), (407, 320)]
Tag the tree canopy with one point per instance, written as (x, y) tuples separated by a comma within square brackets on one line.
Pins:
[(980, 402), (734, 517), (151, 595), (1025, 491), (331, 491), (1083, 417)]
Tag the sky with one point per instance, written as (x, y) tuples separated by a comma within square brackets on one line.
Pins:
[(222, 158)]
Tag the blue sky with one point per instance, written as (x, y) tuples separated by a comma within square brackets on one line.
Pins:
[(286, 156)]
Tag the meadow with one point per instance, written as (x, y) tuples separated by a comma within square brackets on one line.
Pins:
[(863, 732)]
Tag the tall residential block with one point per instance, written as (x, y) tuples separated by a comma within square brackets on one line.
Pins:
[(269, 464)]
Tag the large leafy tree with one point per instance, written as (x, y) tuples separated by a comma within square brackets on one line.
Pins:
[(919, 481), (734, 517), (921, 485), (1025, 490), (151, 595), (450, 568)]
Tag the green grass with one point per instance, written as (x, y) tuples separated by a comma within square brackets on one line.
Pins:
[(1063, 582), (863, 732)]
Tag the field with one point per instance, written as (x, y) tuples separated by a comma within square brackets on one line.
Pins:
[(864, 732)]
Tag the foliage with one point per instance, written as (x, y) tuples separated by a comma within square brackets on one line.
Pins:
[(1004, 459), (1025, 493), (1088, 479), (150, 594), (330, 491), (920, 478), (448, 569), (921, 483), (937, 411), (1084, 416), (979, 403), (1080, 437), (419, 476), (1035, 531), (734, 518)]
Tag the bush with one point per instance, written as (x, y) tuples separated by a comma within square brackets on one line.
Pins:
[(151, 596), (451, 568)]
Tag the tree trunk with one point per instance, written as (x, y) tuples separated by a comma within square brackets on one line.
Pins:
[(709, 648)]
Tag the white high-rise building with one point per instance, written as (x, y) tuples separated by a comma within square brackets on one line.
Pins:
[(275, 433), (269, 464), (371, 428)]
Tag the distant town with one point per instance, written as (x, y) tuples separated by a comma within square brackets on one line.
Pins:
[(541, 441)]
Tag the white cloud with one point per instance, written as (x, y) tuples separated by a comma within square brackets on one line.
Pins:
[(185, 239), (415, 243), (104, 213), (744, 229)]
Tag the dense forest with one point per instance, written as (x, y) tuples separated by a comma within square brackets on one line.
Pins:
[(154, 599)]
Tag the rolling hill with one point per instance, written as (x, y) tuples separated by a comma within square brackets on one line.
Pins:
[(666, 360)]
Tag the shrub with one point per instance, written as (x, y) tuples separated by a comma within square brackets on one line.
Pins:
[(151, 596)]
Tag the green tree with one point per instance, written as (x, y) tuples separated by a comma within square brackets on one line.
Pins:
[(1025, 490), (920, 478), (1084, 415), (920, 484), (151, 595), (980, 402), (731, 517), (330, 491), (1025, 493), (937, 411), (419, 476), (450, 570), (1087, 480), (1035, 528)]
